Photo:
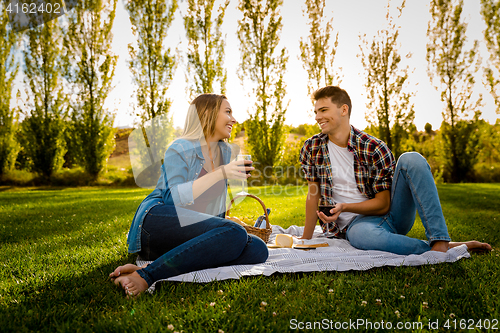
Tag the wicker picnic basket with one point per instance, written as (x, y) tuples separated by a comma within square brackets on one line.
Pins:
[(259, 232)]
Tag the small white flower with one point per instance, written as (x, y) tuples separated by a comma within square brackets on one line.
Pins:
[(263, 303), (220, 292), (363, 303), (212, 304), (397, 313), (220, 331), (274, 314), (170, 327), (402, 296), (330, 291)]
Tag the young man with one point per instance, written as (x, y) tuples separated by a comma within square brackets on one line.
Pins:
[(376, 200)]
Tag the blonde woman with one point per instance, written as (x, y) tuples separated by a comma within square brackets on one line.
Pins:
[(180, 226)]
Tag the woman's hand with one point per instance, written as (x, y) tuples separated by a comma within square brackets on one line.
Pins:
[(335, 211), (235, 170)]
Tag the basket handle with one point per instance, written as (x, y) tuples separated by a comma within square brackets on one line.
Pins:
[(268, 225)]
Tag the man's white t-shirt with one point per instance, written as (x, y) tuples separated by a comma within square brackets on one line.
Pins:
[(345, 188)]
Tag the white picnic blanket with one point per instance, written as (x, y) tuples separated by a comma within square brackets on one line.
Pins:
[(338, 256)]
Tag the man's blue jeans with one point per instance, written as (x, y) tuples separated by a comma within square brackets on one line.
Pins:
[(210, 243), (413, 189)]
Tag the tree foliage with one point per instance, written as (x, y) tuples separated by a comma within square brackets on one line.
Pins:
[(205, 56), (153, 64), (8, 71), (317, 54), (451, 69), (43, 127), (264, 65), (389, 107), (90, 67), (490, 9)]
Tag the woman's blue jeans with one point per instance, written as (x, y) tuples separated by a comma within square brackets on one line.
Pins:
[(178, 249), (413, 189)]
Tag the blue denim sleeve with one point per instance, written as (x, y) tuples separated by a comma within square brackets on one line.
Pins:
[(176, 171)]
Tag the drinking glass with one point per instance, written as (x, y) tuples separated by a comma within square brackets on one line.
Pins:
[(243, 182), (325, 205)]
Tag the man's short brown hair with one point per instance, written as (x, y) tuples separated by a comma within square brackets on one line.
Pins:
[(337, 95)]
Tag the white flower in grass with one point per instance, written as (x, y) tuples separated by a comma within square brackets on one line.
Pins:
[(170, 327), (220, 292), (378, 302), (212, 303), (220, 331), (397, 313), (425, 305), (274, 314), (263, 303), (402, 297), (363, 303), (330, 290)]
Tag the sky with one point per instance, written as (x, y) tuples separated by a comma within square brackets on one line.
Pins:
[(350, 19)]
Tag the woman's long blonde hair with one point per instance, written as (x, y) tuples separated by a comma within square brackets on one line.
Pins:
[(202, 116)]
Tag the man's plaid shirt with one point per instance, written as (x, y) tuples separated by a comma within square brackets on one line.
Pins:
[(373, 165)]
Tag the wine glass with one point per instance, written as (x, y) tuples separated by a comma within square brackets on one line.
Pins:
[(325, 205), (244, 181)]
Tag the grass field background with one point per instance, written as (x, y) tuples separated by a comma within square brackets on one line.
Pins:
[(57, 247)]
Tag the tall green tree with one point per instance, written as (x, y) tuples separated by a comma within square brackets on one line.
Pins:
[(316, 53), (205, 56), (152, 63), (263, 65), (490, 10), (8, 71), (43, 126), (89, 68), (451, 68), (389, 107)]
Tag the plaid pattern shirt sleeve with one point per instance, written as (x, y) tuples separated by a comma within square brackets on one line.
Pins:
[(374, 163), (384, 165), (307, 161)]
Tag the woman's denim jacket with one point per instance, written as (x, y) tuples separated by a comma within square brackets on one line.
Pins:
[(181, 166)]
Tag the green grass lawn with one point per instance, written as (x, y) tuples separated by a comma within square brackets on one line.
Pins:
[(57, 247)]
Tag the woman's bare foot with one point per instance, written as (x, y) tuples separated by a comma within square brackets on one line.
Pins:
[(123, 270), (132, 283), (473, 246)]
